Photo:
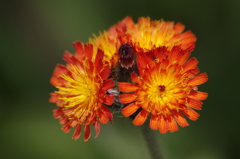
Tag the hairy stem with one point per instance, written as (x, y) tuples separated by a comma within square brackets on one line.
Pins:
[(151, 141)]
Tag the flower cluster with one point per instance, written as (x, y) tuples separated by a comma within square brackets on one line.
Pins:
[(145, 67)]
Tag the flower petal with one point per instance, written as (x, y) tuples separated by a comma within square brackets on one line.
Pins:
[(180, 118), (97, 128), (195, 104), (197, 95), (105, 72), (134, 78), (57, 113), (154, 122), (102, 116), (108, 84), (66, 127), (130, 109), (87, 132), (77, 132), (127, 87), (107, 115), (127, 98), (191, 114), (179, 27), (108, 100), (141, 117), (190, 64), (199, 79), (163, 128), (172, 125)]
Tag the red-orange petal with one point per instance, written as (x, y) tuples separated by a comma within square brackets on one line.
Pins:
[(134, 78), (172, 125), (99, 57), (107, 112), (97, 128), (78, 46), (180, 118), (89, 51), (159, 53), (67, 56), (108, 100), (174, 54), (77, 132), (163, 125), (154, 122), (63, 120), (190, 64), (197, 95), (57, 113), (127, 98), (74, 122), (87, 132), (191, 73), (103, 118), (179, 27), (143, 61), (187, 38), (141, 117), (195, 104), (199, 79), (54, 97), (108, 84), (66, 127), (127, 87), (191, 114), (130, 109), (98, 66), (56, 79), (105, 72), (183, 57)]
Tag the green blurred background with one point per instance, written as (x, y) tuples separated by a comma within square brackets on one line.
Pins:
[(34, 35)]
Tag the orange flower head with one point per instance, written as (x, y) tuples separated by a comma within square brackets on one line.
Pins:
[(166, 88), (147, 35), (82, 91)]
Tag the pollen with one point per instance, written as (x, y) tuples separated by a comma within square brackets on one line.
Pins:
[(161, 88)]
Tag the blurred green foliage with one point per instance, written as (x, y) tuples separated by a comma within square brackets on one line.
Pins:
[(34, 35)]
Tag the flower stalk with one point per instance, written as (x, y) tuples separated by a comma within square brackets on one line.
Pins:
[(151, 142)]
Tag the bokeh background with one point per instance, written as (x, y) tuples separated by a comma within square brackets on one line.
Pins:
[(35, 33)]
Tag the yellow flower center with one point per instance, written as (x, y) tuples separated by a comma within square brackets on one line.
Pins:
[(164, 89), (154, 34), (80, 92)]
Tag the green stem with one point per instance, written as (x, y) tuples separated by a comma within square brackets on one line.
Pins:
[(151, 141)]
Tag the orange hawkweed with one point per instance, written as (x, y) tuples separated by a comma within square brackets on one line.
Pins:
[(147, 63), (146, 35), (82, 91), (166, 88)]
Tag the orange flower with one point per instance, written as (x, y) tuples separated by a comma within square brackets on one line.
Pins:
[(143, 36), (82, 91), (166, 88), (147, 35)]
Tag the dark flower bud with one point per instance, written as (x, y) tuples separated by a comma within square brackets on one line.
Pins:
[(126, 56)]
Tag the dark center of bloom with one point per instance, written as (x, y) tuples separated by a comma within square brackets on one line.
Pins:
[(125, 51), (161, 88), (126, 56)]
